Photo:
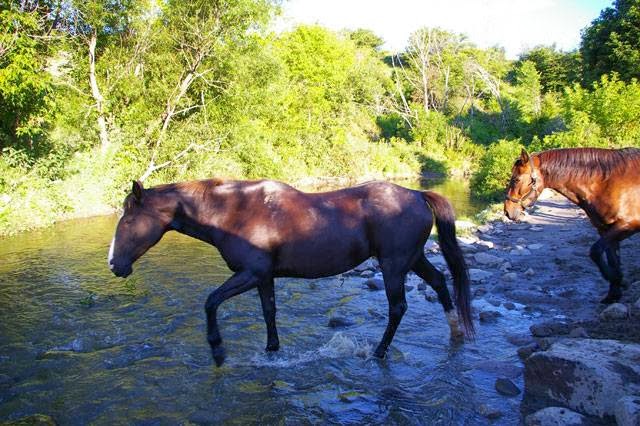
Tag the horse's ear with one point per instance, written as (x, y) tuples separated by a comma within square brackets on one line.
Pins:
[(137, 189), (524, 156)]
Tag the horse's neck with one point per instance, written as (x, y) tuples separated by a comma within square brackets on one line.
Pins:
[(196, 220), (573, 190)]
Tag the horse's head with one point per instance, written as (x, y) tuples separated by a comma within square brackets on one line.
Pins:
[(524, 187), (144, 220)]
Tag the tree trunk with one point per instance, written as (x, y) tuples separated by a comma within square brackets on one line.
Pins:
[(95, 92)]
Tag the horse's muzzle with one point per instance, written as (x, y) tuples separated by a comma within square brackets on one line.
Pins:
[(122, 271)]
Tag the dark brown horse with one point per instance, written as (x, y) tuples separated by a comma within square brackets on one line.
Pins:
[(266, 229), (605, 183)]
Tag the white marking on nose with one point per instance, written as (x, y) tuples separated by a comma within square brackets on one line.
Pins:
[(113, 241)]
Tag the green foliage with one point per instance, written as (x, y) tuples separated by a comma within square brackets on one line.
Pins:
[(556, 69), (611, 43), (494, 169)]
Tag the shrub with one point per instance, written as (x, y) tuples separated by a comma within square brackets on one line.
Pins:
[(494, 170)]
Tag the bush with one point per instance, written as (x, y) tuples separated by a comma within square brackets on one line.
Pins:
[(494, 170)]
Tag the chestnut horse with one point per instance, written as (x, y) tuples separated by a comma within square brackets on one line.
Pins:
[(605, 183), (266, 229)]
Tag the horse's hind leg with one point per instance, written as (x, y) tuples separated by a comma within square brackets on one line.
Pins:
[(436, 280), (268, 300), (609, 244), (394, 287), (238, 283)]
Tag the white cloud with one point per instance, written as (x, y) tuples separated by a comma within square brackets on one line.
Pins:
[(512, 24)]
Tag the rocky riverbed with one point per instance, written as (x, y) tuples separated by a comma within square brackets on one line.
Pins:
[(581, 358)]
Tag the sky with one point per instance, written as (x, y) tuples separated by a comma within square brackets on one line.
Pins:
[(516, 25)]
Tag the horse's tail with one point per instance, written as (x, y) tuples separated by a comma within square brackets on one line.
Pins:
[(446, 224)]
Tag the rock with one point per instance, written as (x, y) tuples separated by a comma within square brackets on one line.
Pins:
[(375, 284), (521, 241), (367, 274), (506, 387), (479, 274), (431, 246), (487, 259), (485, 229), (526, 351), (485, 243), (615, 311), (510, 277), (520, 251), (489, 316), (505, 267), (627, 411), (338, 321), (509, 306), (479, 292), (408, 288), (518, 339), (578, 332), (32, 420), (349, 396), (549, 328), (555, 416), (464, 224), (489, 412), (536, 246), (422, 286), (530, 272), (438, 261), (369, 264), (586, 375)]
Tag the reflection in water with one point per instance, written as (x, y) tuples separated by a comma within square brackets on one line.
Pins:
[(82, 346)]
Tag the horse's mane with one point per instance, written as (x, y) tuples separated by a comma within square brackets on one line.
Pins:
[(587, 163), (195, 188)]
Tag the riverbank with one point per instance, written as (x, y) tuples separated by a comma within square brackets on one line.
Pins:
[(541, 268)]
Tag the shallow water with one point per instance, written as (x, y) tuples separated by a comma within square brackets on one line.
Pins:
[(82, 346)]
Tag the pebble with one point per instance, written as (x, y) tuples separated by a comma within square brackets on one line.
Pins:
[(489, 412), (506, 387), (530, 272), (487, 259), (337, 321), (510, 306), (505, 266), (555, 416), (549, 328), (479, 274), (525, 351), (489, 316), (367, 274), (578, 332), (422, 286), (510, 276), (536, 246)]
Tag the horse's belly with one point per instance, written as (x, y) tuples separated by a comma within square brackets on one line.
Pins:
[(321, 258)]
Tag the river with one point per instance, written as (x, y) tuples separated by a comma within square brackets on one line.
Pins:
[(82, 346)]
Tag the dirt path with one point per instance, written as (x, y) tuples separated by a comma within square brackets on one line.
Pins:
[(545, 263)]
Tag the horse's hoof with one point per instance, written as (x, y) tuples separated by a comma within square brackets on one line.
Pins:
[(219, 355), (380, 353), (272, 348)]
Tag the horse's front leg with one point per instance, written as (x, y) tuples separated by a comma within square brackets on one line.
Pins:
[(268, 300), (238, 283)]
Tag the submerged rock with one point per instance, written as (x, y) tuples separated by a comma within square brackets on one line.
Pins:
[(555, 416), (338, 321), (489, 316), (550, 328), (489, 412), (506, 387), (586, 375)]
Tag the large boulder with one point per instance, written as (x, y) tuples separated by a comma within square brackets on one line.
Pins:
[(586, 375), (555, 416)]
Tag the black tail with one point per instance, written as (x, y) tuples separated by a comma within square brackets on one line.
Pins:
[(446, 224)]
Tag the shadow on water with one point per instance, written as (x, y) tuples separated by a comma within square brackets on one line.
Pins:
[(81, 346)]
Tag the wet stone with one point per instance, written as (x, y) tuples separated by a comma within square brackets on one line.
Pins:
[(506, 387), (555, 416), (367, 274), (489, 316), (627, 411), (375, 284), (338, 321), (422, 286), (550, 328), (510, 306), (526, 351), (578, 332), (614, 312), (489, 412), (510, 277), (408, 288)]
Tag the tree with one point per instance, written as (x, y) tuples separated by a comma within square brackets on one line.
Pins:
[(557, 69), (25, 87), (612, 42)]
